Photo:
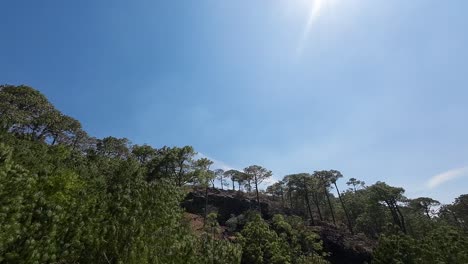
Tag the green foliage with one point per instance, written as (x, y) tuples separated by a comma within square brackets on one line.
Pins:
[(442, 245), (257, 174), (305, 244), (174, 163), (60, 216), (214, 250), (68, 198), (282, 243), (262, 245), (27, 112)]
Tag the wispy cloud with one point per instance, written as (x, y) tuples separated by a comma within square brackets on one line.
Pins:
[(447, 176)]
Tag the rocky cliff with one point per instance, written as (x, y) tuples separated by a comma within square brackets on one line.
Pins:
[(344, 247)]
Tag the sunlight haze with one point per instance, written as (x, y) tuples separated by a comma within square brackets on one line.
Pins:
[(376, 89)]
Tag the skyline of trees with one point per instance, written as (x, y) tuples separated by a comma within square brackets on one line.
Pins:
[(71, 197)]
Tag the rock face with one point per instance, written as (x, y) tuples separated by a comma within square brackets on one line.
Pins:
[(225, 203), (344, 248)]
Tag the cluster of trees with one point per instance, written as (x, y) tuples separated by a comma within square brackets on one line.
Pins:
[(284, 240), (381, 212), (67, 197), (305, 192)]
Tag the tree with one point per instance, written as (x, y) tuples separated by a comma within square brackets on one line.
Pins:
[(66, 197), (217, 251), (381, 192), (183, 162), (113, 147), (300, 183), (424, 204), (335, 175), (25, 111), (440, 245), (303, 244), (233, 175), (261, 244), (460, 208), (174, 163), (204, 176), (245, 180), (284, 241), (220, 176), (277, 190), (325, 178), (84, 211), (143, 153), (456, 214), (258, 174), (354, 182)]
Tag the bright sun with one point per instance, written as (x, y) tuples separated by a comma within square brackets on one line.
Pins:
[(315, 8)]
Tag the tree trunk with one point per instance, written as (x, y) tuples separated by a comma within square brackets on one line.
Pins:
[(54, 140), (402, 219), (282, 198), (427, 213), (180, 174), (350, 227), (206, 205), (393, 211), (317, 205), (396, 220), (256, 191), (308, 202), (290, 199), (330, 205), (460, 224)]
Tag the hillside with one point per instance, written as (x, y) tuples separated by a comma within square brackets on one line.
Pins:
[(68, 197), (343, 247)]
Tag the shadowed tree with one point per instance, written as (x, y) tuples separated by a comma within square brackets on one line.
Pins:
[(456, 213), (301, 182), (233, 175), (258, 174), (424, 205), (325, 179), (277, 190), (219, 173), (204, 176), (381, 192), (335, 175)]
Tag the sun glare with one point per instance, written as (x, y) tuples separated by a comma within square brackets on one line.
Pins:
[(315, 9)]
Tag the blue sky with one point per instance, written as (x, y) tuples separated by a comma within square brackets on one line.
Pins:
[(377, 89)]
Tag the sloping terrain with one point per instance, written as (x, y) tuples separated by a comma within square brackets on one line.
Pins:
[(342, 246)]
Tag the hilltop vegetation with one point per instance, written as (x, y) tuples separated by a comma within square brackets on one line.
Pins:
[(67, 197)]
